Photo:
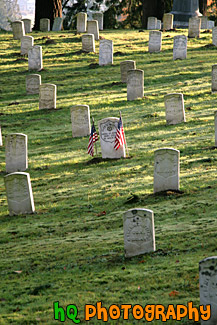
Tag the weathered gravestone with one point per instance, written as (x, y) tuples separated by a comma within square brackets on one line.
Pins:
[(214, 36), (35, 58), (155, 41), (211, 24), (194, 27), (18, 29), (125, 66), (80, 118), (99, 17), (27, 25), (88, 43), (168, 21), (180, 47), (215, 114), (57, 25), (107, 132), (166, 169), (81, 22), (214, 78), (204, 22), (19, 193), (1, 137), (16, 152), (152, 23), (208, 287), (105, 52), (135, 84), (158, 24), (33, 82), (44, 25), (27, 42), (183, 10), (93, 28), (175, 110), (139, 232), (47, 96)]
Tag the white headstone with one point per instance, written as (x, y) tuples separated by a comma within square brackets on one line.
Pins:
[(99, 17), (57, 25), (16, 152), (81, 22), (152, 23), (27, 25), (139, 233), (214, 36), (93, 28), (168, 21), (214, 78), (208, 287), (135, 84), (35, 58), (19, 193), (204, 22), (180, 47), (194, 27), (18, 29), (215, 113), (175, 110), (125, 66), (47, 96), (44, 25), (158, 24), (107, 132), (155, 41), (88, 43), (105, 52), (80, 118), (211, 24), (27, 42), (1, 143), (33, 82)]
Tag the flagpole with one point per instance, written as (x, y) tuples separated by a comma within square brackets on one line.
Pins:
[(95, 141), (124, 134)]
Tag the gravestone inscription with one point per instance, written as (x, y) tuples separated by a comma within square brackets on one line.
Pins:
[(80, 118), (44, 25), (135, 84), (18, 29), (27, 25), (33, 82), (27, 42), (175, 111), (93, 28), (105, 52), (47, 96), (125, 66), (155, 41), (81, 22), (180, 47), (16, 152), (35, 58)]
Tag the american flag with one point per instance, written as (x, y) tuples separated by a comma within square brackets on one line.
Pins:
[(120, 137), (92, 139)]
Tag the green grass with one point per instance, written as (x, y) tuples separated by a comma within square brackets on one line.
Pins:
[(68, 253)]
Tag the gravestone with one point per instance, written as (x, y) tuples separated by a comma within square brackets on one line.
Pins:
[(107, 132), (139, 232), (167, 21), (47, 96), (208, 287), (93, 28), (57, 25), (35, 58), (1, 143), (214, 78), (214, 36), (183, 10), (27, 42), (211, 24), (204, 22), (16, 153), (19, 193), (27, 25), (175, 110), (33, 82), (135, 84), (80, 118), (180, 47), (158, 24), (194, 27), (215, 114), (88, 43), (125, 66), (81, 22), (166, 169), (99, 17), (152, 23), (105, 52), (18, 29), (155, 41), (44, 25)]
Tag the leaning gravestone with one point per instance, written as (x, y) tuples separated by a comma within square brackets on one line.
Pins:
[(27, 25), (107, 132), (1, 137), (93, 28), (175, 110), (214, 36), (158, 24), (180, 47), (35, 58), (16, 152), (135, 84), (105, 52), (27, 42), (81, 22), (80, 118), (155, 41), (208, 287), (18, 29), (125, 66), (204, 22), (139, 233), (152, 23), (33, 82), (57, 25), (214, 78), (168, 21), (99, 17), (19, 194), (44, 25), (215, 113), (47, 96), (166, 169), (194, 27), (88, 43)]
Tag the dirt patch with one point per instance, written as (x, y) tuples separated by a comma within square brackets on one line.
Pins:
[(20, 60), (14, 103), (97, 160), (209, 46), (93, 66), (119, 53), (78, 52), (206, 31), (141, 31), (50, 41), (169, 193)]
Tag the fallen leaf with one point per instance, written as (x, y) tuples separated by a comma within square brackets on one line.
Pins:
[(173, 293), (18, 272), (101, 214)]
